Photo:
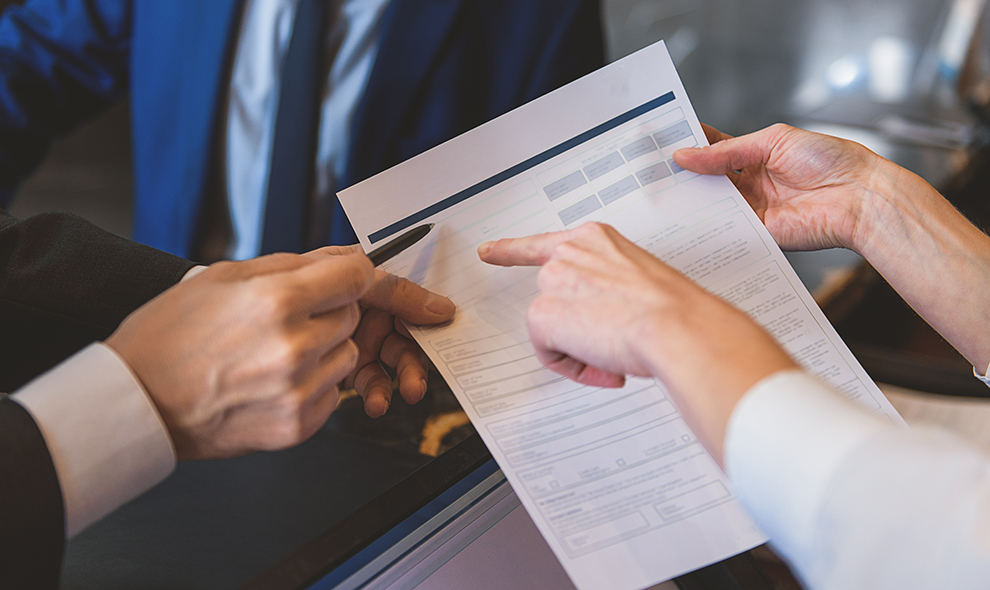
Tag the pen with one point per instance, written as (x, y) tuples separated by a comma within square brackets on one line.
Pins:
[(379, 255)]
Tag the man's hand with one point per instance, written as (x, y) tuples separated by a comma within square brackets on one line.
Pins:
[(608, 308), (812, 191), (382, 338), (246, 356)]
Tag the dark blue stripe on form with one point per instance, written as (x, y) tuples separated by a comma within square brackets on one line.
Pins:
[(518, 169)]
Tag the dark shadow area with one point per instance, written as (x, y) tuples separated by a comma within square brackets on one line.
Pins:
[(217, 524)]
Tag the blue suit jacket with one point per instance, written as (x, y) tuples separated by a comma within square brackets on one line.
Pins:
[(444, 66)]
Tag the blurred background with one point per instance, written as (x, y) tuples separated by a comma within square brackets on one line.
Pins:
[(907, 78), (884, 72)]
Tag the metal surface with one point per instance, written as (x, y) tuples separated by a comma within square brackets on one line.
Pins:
[(861, 70), (748, 64)]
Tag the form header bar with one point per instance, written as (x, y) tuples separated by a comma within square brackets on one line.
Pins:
[(518, 168)]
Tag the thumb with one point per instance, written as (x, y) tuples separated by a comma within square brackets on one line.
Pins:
[(407, 300), (727, 155)]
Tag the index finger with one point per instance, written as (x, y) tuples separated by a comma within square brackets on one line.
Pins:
[(529, 251), (325, 251), (328, 283)]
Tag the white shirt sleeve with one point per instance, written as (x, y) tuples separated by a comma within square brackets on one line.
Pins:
[(853, 501), (985, 377), (106, 439), (193, 272)]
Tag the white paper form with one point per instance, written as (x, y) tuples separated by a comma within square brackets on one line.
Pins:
[(614, 479)]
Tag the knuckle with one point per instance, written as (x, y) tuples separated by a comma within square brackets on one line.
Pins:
[(564, 251), (594, 229), (404, 289), (781, 130), (595, 235), (364, 378), (287, 428), (333, 393), (271, 302), (536, 311), (350, 319), (340, 250), (554, 274), (560, 277), (365, 271), (288, 352), (353, 285), (391, 285), (356, 278), (550, 275), (289, 434), (553, 267), (587, 229), (351, 354)]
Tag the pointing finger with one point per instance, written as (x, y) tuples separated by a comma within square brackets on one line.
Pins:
[(528, 251)]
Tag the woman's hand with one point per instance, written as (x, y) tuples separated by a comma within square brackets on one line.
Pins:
[(812, 191), (607, 309)]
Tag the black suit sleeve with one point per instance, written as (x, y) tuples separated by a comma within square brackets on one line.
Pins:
[(32, 529), (65, 283)]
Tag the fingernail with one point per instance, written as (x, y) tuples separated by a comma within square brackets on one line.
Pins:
[(688, 150), (484, 249), (384, 405), (439, 304)]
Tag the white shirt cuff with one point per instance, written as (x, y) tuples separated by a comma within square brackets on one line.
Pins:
[(785, 440), (193, 272), (106, 439), (985, 377)]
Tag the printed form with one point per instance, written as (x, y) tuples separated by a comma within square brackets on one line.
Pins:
[(616, 482)]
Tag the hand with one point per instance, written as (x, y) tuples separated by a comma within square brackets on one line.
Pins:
[(381, 336), (247, 356), (811, 190), (608, 308), (815, 191)]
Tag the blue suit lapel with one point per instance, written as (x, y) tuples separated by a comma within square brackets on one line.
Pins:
[(208, 53), (413, 33), (180, 59)]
